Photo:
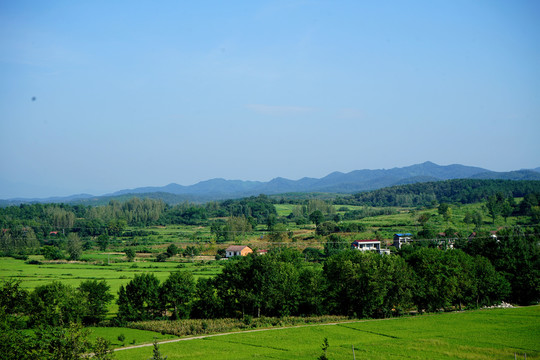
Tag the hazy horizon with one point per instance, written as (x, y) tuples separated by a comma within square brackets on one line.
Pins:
[(209, 179)]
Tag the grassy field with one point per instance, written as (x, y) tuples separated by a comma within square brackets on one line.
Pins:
[(115, 274), (131, 336), (482, 334)]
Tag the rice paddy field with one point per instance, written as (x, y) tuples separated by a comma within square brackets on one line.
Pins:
[(115, 273), (482, 334)]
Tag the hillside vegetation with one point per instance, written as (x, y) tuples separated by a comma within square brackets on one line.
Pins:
[(145, 264)]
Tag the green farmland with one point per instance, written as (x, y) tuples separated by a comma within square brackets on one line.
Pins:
[(116, 274), (481, 334)]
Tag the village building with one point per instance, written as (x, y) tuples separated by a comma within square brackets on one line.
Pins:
[(237, 250), (365, 245), (401, 239), (369, 245)]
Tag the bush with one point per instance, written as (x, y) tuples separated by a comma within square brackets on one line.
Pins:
[(326, 228), (161, 257)]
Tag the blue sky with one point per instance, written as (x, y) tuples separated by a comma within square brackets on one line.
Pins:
[(141, 93)]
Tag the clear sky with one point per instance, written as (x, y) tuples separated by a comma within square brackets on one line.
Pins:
[(98, 96)]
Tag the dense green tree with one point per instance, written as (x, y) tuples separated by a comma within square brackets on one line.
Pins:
[(279, 233), (316, 217), (176, 294), (18, 240), (445, 211), (493, 206), (103, 242), (335, 244), (271, 221), (66, 343), (312, 291), (156, 353), (50, 252), (312, 254), (13, 304), (97, 297), (443, 278), (260, 285), (130, 254), (491, 286), (207, 304), (74, 246), (326, 228), (366, 284), (172, 250), (56, 304), (139, 299), (102, 349)]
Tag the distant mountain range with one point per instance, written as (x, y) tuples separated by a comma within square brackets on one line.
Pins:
[(336, 182)]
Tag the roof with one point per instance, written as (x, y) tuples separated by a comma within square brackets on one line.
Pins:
[(406, 234), (237, 248), (366, 241)]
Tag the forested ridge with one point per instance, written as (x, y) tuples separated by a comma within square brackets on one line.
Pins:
[(464, 191)]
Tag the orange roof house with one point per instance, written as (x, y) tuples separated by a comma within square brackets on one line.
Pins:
[(237, 250)]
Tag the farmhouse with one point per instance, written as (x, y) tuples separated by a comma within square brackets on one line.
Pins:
[(237, 250), (400, 239), (365, 245)]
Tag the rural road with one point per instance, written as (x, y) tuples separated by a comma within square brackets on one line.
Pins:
[(245, 331)]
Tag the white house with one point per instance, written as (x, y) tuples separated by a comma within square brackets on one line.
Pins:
[(365, 245)]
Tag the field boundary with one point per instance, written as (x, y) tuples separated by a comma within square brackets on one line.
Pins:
[(199, 337)]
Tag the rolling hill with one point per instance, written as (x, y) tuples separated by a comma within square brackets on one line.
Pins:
[(336, 182)]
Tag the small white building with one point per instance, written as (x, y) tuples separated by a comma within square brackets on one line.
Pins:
[(401, 239), (365, 245)]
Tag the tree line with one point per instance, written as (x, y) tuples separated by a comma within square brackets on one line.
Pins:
[(478, 272), (286, 282), (463, 191)]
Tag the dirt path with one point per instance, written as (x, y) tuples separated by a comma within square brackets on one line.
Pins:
[(245, 331)]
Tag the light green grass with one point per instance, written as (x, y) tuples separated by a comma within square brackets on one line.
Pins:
[(483, 334), (115, 274), (132, 336)]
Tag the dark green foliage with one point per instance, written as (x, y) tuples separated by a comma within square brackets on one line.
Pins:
[(176, 294), (260, 285), (207, 304), (130, 254), (97, 298), (13, 304), (139, 299), (366, 284), (74, 246), (335, 244), (259, 208), (103, 242), (465, 191), (51, 343), (316, 217), (162, 257), (172, 250), (312, 254), (326, 228), (102, 349), (56, 304), (515, 254), (52, 253), (185, 214), (18, 240), (156, 354), (324, 347)]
